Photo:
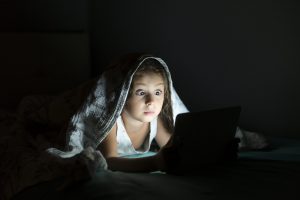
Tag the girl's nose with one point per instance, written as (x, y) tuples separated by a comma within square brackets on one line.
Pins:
[(149, 99)]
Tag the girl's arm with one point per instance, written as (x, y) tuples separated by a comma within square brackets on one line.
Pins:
[(162, 135), (108, 148), (168, 153), (144, 164)]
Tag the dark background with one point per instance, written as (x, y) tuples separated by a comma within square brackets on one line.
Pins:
[(220, 53)]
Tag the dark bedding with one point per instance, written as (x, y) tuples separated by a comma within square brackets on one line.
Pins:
[(274, 174)]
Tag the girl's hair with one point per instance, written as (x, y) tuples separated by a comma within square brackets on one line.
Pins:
[(166, 114)]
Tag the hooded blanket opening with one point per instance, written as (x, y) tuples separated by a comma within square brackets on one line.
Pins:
[(104, 104)]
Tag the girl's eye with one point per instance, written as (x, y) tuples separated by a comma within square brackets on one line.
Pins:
[(140, 93), (159, 92)]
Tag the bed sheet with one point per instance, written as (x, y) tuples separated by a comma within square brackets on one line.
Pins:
[(273, 174), (256, 175), (281, 149)]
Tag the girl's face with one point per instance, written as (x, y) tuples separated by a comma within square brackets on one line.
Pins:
[(147, 97)]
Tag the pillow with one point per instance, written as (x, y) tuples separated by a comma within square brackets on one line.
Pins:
[(251, 140)]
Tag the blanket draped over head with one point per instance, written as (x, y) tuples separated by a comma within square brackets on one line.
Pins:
[(98, 113)]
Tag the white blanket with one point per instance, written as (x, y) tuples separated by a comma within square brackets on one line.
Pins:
[(92, 122)]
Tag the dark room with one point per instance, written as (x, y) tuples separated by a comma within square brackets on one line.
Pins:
[(95, 96)]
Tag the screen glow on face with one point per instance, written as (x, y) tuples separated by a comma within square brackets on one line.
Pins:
[(147, 96)]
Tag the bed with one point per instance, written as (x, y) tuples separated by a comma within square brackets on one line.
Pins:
[(269, 174), (25, 173)]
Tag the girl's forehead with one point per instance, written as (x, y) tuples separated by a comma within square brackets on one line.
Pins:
[(148, 76)]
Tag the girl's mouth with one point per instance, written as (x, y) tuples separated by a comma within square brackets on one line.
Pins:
[(149, 112)]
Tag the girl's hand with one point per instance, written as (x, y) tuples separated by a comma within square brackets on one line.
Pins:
[(168, 157), (231, 152)]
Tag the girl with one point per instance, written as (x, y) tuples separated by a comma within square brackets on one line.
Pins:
[(132, 104), (146, 115)]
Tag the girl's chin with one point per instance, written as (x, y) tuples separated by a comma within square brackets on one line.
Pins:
[(148, 118)]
